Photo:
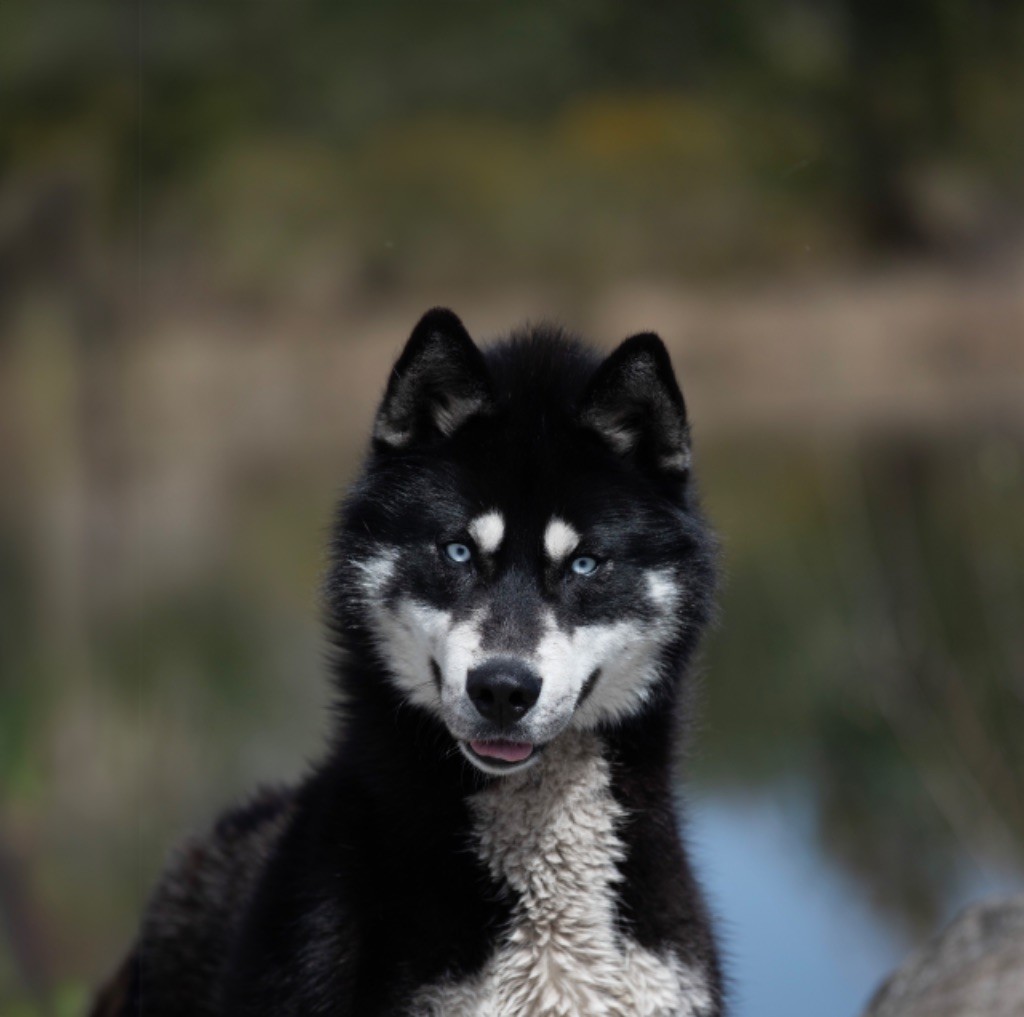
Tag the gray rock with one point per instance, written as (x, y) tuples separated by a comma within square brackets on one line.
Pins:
[(973, 968)]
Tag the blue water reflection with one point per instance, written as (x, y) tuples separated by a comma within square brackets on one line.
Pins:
[(799, 937)]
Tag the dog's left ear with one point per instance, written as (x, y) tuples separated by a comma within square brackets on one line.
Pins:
[(634, 404), (438, 383)]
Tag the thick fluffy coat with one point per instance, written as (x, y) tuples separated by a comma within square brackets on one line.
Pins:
[(518, 580)]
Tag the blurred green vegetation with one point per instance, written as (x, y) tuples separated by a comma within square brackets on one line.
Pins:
[(196, 199), (460, 141)]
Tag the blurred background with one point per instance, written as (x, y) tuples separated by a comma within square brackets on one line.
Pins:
[(218, 224)]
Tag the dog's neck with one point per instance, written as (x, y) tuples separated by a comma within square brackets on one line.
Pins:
[(554, 834), (558, 814)]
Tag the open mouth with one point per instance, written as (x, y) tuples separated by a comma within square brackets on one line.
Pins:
[(499, 755)]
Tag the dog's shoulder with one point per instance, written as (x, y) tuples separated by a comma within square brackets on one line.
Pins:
[(210, 875), (189, 922)]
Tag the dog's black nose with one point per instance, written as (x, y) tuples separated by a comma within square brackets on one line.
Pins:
[(503, 690)]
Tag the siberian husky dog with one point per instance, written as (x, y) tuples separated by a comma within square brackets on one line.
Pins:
[(518, 580)]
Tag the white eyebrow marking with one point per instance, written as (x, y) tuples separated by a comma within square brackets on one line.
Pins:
[(663, 589), (560, 539), (488, 531)]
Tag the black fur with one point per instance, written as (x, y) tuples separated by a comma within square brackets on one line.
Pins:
[(345, 894)]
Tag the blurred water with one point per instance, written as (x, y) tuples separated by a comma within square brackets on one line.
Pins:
[(800, 939)]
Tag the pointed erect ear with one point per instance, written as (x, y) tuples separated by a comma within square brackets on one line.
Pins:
[(634, 404), (438, 383)]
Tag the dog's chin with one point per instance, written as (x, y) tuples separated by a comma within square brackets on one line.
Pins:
[(498, 757)]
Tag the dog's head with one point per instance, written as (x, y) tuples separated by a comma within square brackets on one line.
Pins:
[(521, 552)]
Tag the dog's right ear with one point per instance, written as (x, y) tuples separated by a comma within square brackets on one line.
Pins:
[(438, 383)]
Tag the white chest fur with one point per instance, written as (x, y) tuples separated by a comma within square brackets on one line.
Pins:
[(550, 833)]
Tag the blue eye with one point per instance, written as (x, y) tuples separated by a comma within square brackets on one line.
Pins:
[(584, 566), (459, 553)]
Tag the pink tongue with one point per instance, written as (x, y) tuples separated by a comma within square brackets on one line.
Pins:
[(509, 752)]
